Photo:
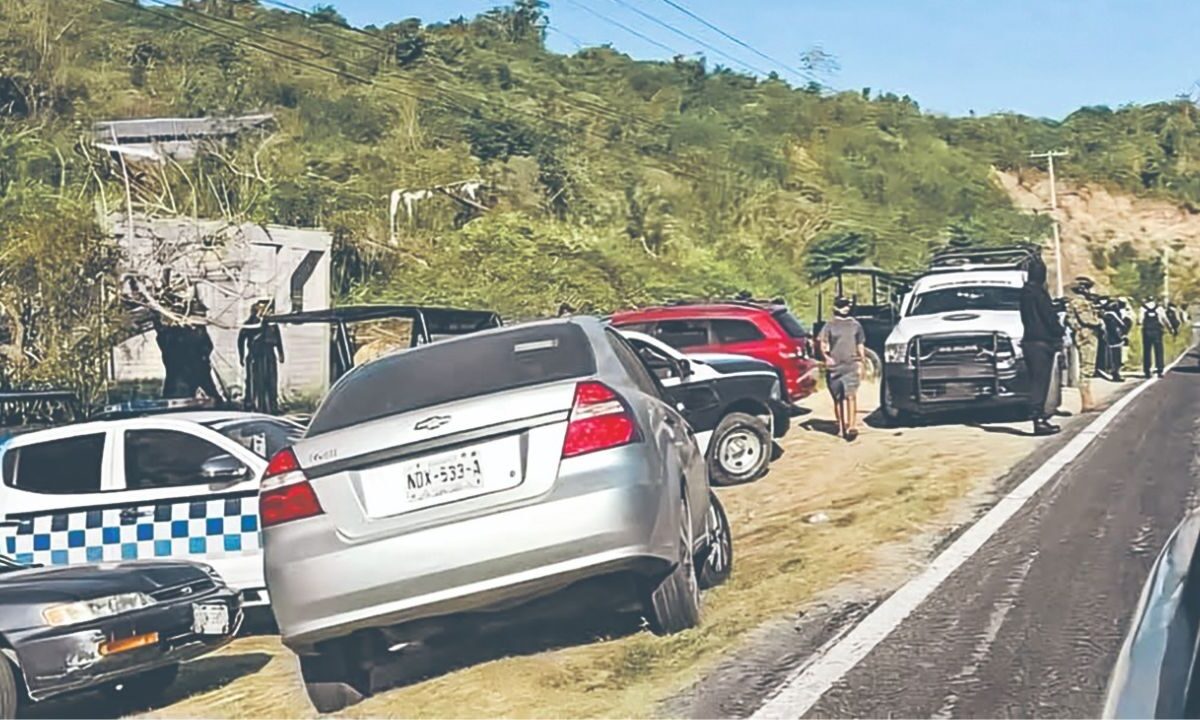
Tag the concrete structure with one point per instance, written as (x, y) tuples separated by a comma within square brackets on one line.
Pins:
[(233, 266), (178, 138)]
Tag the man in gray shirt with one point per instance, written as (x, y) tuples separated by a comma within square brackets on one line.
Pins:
[(842, 341)]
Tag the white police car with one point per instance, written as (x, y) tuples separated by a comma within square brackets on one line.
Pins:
[(180, 484)]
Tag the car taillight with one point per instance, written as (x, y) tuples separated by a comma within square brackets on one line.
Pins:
[(599, 420), (285, 493)]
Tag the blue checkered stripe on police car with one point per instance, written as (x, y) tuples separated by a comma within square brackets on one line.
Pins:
[(194, 528)]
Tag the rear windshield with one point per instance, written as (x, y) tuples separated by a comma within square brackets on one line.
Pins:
[(959, 299), (790, 324), (446, 372)]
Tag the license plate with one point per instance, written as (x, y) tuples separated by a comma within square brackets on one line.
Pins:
[(441, 478), (210, 619)]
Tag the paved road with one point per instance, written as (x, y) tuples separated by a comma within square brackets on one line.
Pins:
[(1030, 625)]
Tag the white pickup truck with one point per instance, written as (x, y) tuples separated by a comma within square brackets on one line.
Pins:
[(957, 345)]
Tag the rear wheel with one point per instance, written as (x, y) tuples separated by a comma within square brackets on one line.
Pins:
[(715, 561), (674, 605), (740, 450), (10, 691), (334, 680)]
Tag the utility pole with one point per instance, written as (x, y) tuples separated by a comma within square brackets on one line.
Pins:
[(1172, 245), (1049, 155)]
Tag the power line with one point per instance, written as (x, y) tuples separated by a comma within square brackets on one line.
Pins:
[(731, 38), (132, 4), (625, 27), (689, 36)]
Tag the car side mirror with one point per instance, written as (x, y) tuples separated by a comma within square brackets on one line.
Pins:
[(684, 369), (224, 468)]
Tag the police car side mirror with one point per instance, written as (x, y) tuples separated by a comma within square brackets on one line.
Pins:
[(684, 368), (224, 468)]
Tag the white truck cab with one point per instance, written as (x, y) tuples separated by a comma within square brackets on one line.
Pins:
[(182, 485), (957, 345)]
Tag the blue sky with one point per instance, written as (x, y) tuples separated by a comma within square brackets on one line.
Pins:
[(1037, 57)]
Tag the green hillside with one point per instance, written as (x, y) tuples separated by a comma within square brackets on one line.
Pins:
[(608, 181)]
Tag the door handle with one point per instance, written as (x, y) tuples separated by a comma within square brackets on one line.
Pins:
[(133, 514)]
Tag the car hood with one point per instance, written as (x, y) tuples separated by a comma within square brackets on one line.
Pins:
[(728, 362), (1005, 321), (83, 582)]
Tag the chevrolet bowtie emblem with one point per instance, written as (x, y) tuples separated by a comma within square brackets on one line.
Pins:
[(432, 423)]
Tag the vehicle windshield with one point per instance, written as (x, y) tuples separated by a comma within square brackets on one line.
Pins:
[(963, 299), (448, 371)]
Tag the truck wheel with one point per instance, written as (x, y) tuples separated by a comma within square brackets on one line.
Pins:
[(872, 365), (334, 680), (890, 415), (674, 605), (716, 559), (10, 691), (740, 450)]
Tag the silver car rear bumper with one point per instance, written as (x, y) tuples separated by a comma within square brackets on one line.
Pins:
[(594, 522)]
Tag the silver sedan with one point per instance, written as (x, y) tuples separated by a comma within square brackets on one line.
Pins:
[(477, 474)]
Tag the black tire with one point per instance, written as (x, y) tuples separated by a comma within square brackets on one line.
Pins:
[(10, 690), (740, 450), (674, 604), (716, 559), (334, 680), (890, 415), (143, 689), (872, 365)]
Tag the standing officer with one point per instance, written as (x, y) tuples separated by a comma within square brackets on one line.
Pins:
[(1114, 339), (1086, 327), (1042, 339), (1153, 325)]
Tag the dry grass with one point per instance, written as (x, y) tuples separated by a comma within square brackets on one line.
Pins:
[(887, 488)]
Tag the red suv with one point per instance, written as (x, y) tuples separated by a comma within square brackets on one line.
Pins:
[(761, 330)]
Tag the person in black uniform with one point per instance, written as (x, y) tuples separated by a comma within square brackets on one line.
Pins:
[(1153, 327), (260, 349), (1114, 338), (1041, 341)]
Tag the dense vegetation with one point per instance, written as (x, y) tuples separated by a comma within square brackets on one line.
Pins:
[(607, 181)]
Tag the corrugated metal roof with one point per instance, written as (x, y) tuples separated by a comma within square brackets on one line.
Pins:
[(148, 129)]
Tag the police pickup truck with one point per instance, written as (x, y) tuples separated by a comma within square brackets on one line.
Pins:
[(153, 480), (957, 345)]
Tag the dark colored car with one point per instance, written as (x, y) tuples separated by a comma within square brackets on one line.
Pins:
[(734, 404), (123, 628), (766, 331)]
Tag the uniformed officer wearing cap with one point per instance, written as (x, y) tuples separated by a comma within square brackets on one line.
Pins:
[(1086, 326)]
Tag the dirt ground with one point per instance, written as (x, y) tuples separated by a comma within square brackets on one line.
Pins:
[(830, 515)]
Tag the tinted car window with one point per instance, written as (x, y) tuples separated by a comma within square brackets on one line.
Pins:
[(790, 324), (261, 437), (959, 299), (735, 331), (70, 465), (454, 370), (683, 334), (165, 458)]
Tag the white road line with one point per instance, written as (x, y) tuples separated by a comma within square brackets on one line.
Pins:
[(806, 686)]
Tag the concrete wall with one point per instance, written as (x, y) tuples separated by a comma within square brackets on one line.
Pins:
[(234, 266)]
